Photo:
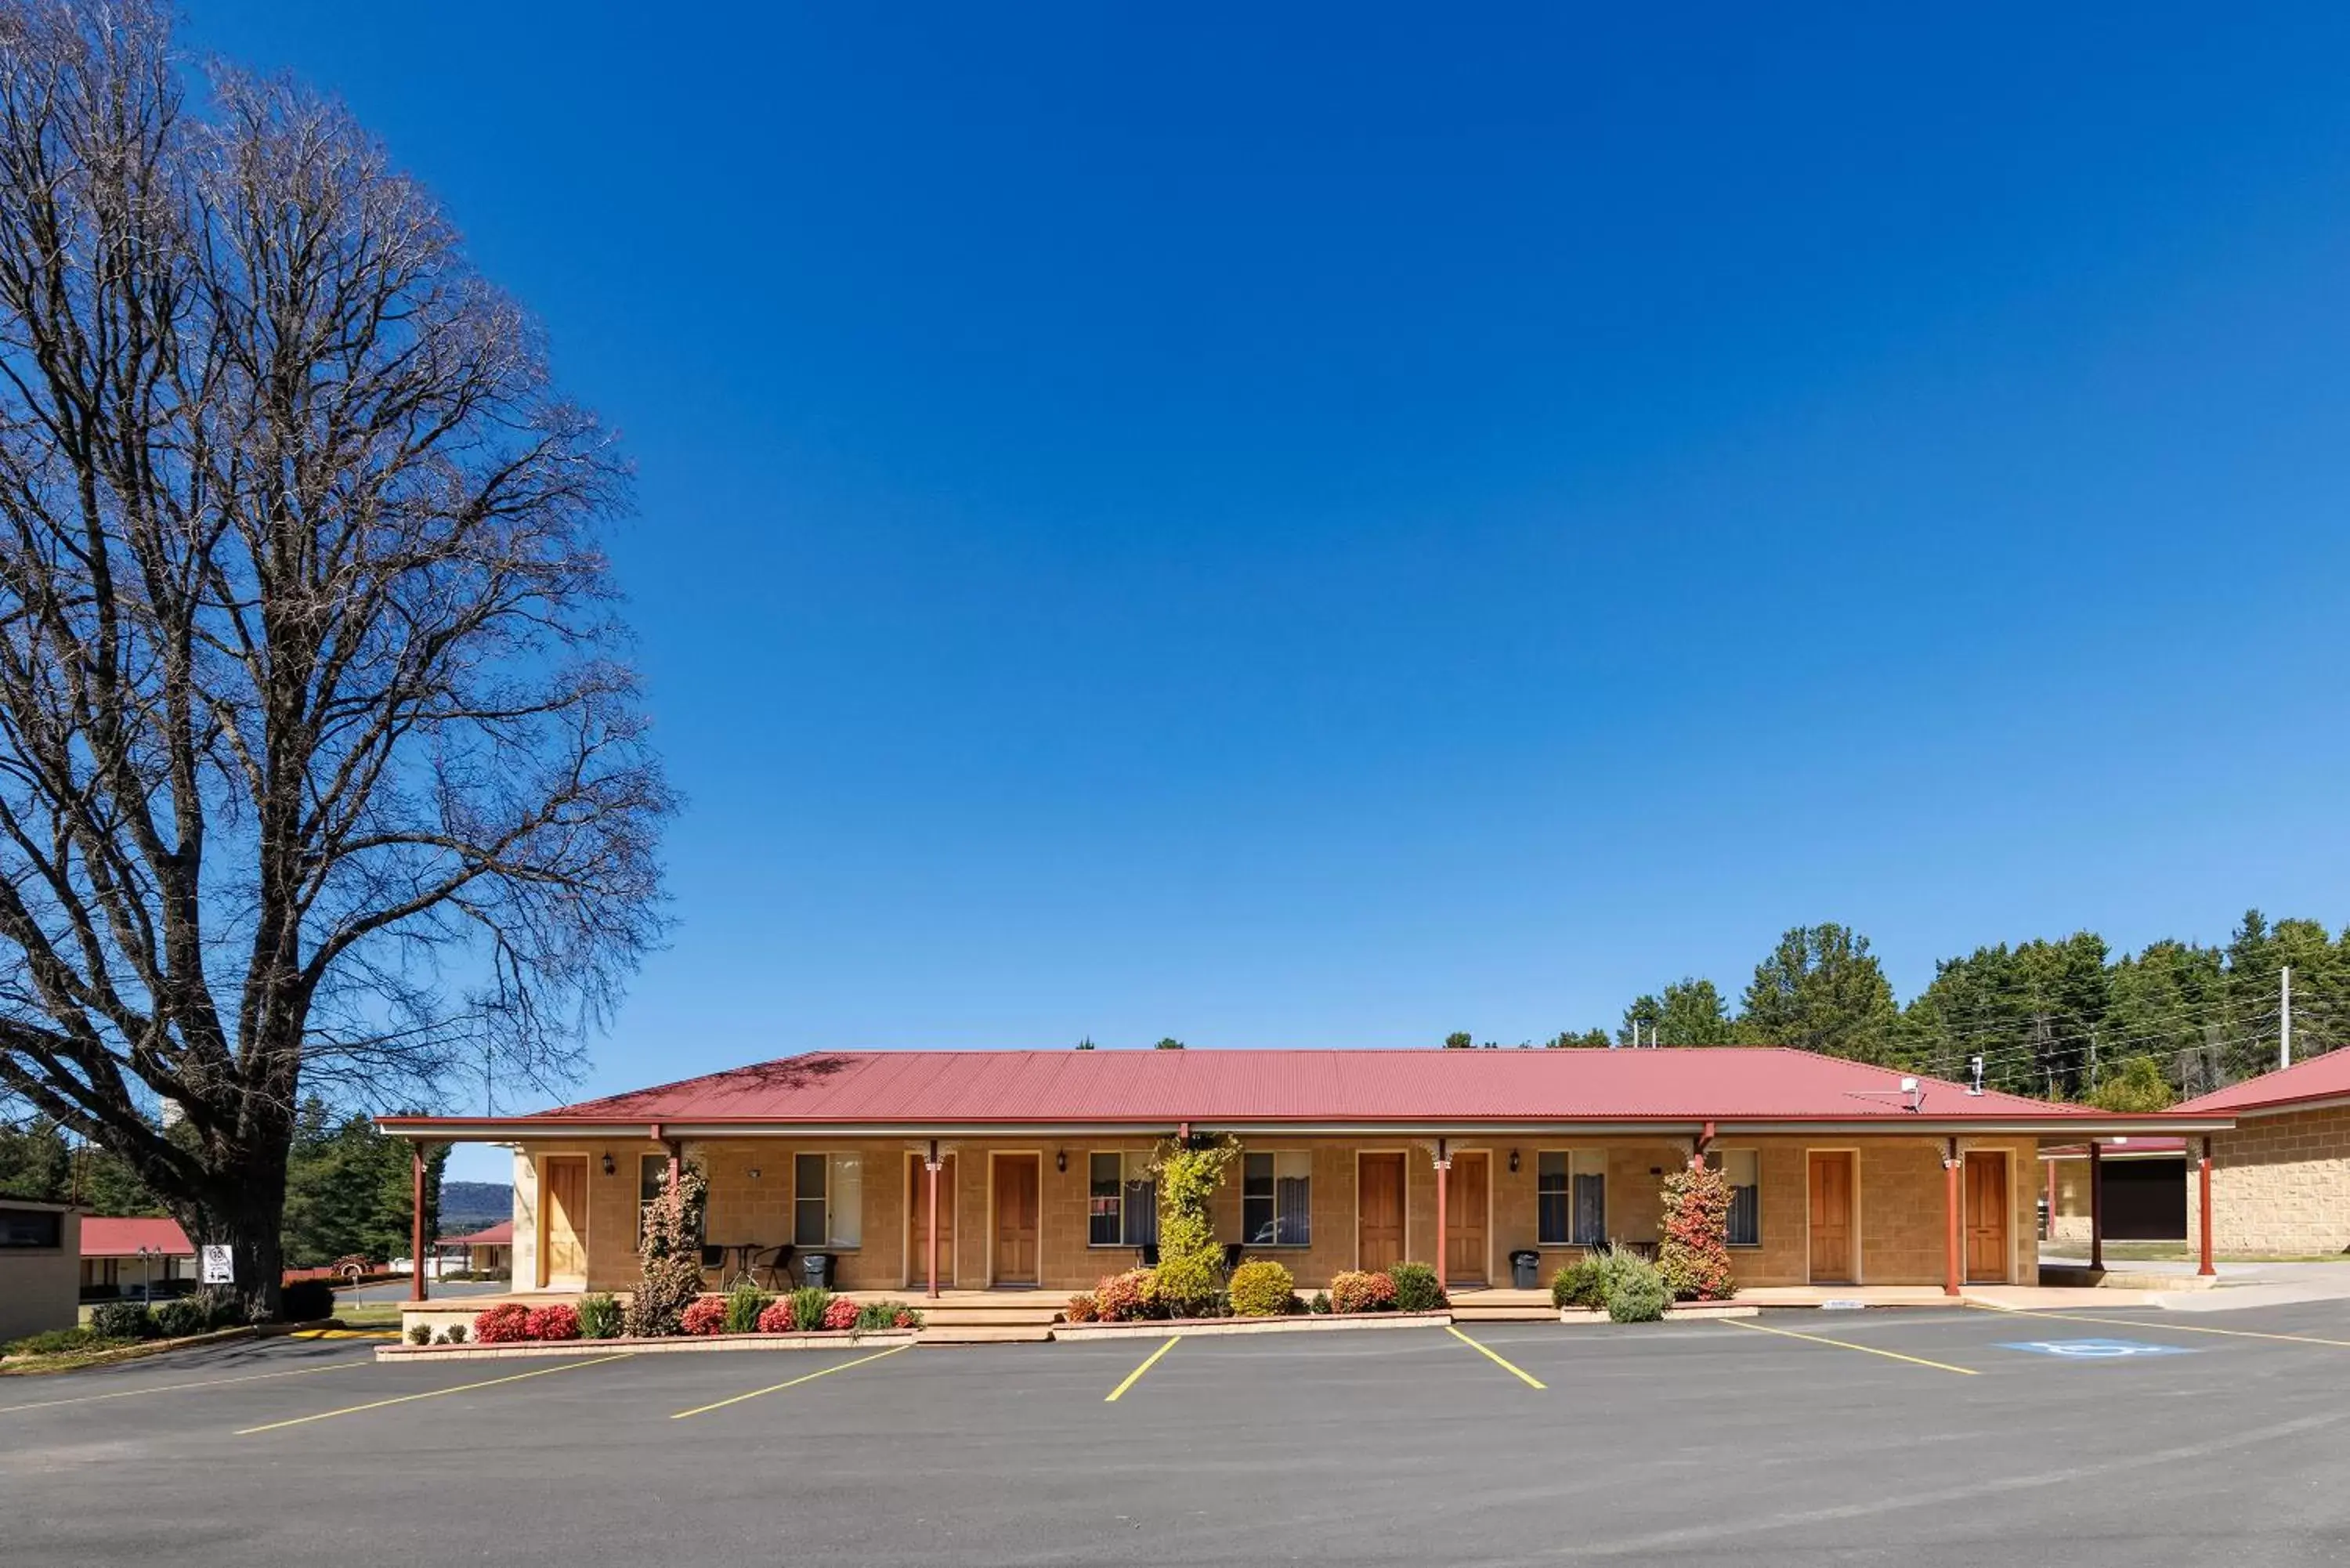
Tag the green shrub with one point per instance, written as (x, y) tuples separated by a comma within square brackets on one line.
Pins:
[(52, 1341), (744, 1302), (1638, 1296), (453, 1334), (599, 1316), (420, 1334), (1320, 1303), (1262, 1288), (885, 1315), (1694, 1256), (808, 1304), (1583, 1282), (222, 1309), (306, 1300), (1416, 1289), (121, 1320), (181, 1318)]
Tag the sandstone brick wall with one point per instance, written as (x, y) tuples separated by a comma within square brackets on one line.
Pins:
[(2278, 1184), (1901, 1205)]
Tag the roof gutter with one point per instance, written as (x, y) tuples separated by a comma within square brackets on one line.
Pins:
[(2069, 1128)]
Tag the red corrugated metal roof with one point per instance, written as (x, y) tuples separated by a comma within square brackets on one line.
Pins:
[(104, 1238), (1162, 1087), (498, 1235), (2322, 1077)]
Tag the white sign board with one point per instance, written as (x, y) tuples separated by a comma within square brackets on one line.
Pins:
[(220, 1266)]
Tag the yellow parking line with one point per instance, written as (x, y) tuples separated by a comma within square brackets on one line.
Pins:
[(2166, 1326), (1847, 1344), (1517, 1372), (173, 1388), (430, 1394), (779, 1387), (1149, 1361)]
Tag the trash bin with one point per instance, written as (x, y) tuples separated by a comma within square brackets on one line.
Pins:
[(1526, 1265), (816, 1269)]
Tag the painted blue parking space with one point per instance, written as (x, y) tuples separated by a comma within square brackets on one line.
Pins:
[(2092, 1349)]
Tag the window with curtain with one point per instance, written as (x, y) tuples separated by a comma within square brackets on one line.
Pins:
[(1278, 1200), (1743, 1167), (1122, 1206), (828, 1200), (1587, 1169), (1554, 1204)]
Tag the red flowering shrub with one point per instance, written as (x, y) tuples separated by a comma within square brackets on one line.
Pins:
[(706, 1315), (1694, 1256), (1083, 1308), (505, 1325), (776, 1318), (840, 1313), (556, 1320), (1124, 1298), (1362, 1291), (906, 1317)]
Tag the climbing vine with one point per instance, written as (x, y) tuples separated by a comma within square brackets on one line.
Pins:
[(1191, 1264)]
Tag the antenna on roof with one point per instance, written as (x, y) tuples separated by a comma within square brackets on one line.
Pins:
[(1976, 1087)]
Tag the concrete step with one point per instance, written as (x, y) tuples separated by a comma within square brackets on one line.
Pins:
[(937, 1333), (1468, 1310)]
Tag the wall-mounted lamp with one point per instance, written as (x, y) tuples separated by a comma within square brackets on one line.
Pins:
[(1061, 1160), (1514, 1162), (754, 1173), (608, 1166)]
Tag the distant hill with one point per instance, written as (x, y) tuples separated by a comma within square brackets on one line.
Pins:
[(473, 1205)]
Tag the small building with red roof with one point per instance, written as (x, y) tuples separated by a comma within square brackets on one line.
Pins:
[(1033, 1169), (489, 1251), (123, 1255), (2280, 1177)]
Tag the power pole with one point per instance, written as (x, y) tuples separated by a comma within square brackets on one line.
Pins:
[(2284, 1017)]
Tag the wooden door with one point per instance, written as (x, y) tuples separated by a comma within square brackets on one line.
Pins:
[(563, 1258), (1987, 1207), (1379, 1211), (1831, 1189), (917, 1222), (1464, 1219), (1016, 1184)]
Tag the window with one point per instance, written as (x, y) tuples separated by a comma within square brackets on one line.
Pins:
[(1122, 1201), (1278, 1200), (1553, 1208), (1743, 1166), (828, 1200), (1571, 1197), (31, 1228)]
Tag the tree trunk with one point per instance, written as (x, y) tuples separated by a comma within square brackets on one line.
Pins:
[(246, 1211)]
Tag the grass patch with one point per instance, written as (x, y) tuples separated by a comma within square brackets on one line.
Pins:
[(368, 1315)]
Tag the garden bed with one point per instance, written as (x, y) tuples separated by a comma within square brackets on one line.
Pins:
[(1296, 1323), (139, 1350), (1677, 1312), (840, 1339)]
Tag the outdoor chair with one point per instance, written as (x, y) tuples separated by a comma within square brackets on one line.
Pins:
[(776, 1263), (1149, 1252)]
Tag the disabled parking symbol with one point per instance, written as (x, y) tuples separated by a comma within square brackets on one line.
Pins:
[(2092, 1349)]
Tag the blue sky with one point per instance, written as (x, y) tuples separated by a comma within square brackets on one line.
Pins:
[(1331, 528)]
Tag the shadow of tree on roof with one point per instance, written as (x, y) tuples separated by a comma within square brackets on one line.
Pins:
[(790, 1073)]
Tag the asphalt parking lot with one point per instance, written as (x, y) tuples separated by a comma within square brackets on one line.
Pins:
[(1922, 1437)]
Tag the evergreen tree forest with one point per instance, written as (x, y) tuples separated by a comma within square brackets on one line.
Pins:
[(2057, 1018)]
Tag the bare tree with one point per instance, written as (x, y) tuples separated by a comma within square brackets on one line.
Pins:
[(319, 765)]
